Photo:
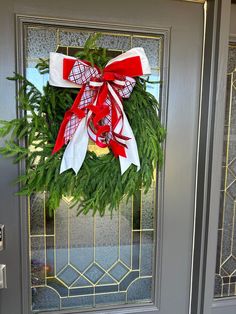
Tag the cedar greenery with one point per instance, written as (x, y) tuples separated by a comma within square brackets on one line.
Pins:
[(99, 185)]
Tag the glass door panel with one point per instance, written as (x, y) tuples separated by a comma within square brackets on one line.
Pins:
[(88, 261), (225, 279)]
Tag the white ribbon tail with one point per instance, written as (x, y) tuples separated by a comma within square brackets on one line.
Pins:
[(76, 150), (132, 156)]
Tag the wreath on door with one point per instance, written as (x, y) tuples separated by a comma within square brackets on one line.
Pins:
[(111, 109)]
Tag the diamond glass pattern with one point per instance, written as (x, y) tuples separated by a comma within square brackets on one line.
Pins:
[(94, 273), (119, 271), (230, 265), (68, 275)]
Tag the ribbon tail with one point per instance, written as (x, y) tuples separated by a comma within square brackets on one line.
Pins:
[(132, 156), (76, 150), (60, 141)]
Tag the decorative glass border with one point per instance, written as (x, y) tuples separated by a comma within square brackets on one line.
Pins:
[(225, 277)]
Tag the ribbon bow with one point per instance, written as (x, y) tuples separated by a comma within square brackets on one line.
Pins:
[(97, 112)]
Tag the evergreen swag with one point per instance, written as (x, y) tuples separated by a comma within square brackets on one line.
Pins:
[(99, 184)]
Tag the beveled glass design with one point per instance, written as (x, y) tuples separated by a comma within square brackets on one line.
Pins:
[(225, 278), (86, 261)]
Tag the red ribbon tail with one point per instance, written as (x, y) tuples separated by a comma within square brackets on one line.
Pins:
[(60, 141), (117, 149), (120, 136)]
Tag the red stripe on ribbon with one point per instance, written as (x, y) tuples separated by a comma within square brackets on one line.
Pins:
[(67, 67)]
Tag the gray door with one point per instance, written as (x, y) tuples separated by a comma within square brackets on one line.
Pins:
[(57, 264)]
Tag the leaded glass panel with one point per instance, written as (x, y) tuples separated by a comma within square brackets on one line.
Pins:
[(225, 279), (86, 261)]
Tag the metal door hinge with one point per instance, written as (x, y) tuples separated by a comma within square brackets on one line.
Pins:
[(2, 237), (3, 276)]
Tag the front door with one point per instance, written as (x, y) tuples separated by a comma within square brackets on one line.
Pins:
[(140, 259)]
